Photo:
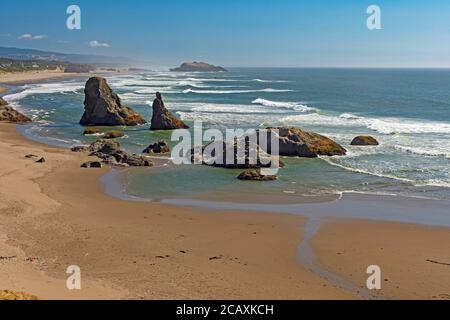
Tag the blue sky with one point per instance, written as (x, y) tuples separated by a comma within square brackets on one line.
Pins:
[(239, 33)]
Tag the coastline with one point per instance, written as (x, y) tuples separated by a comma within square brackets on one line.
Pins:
[(27, 77), (33, 76), (141, 250)]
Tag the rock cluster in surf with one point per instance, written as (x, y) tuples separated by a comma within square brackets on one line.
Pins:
[(157, 148), (110, 153), (102, 106), (239, 153), (255, 175)]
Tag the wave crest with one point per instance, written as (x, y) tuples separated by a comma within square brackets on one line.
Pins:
[(285, 105)]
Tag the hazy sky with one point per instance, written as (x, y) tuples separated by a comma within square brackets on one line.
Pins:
[(238, 33)]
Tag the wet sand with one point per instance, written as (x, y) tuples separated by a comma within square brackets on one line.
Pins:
[(414, 260)]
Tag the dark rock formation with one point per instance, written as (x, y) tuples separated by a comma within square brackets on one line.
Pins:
[(92, 164), (41, 160), (9, 114), (159, 147), (242, 154), (295, 142), (2, 102), (110, 153), (364, 141), (91, 131), (198, 66), (113, 135), (255, 175), (31, 156), (79, 149), (104, 146), (162, 118), (103, 107)]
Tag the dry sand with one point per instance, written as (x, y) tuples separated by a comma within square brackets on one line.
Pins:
[(56, 214), (32, 76)]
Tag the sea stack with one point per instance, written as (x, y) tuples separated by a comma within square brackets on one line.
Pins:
[(102, 107), (162, 118)]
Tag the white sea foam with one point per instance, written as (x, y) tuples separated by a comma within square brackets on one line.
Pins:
[(381, 125), (269, 81), (364, 171), (435, 152), (223, 120), (151, 91), (44, 88), (225, 108), (234, 91), (287, 105)]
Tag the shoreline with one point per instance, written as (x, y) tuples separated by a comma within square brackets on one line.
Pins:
[(29, 77), (18, 78), (192, 252)]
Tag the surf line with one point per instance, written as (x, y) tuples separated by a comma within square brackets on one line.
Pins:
[(308, 259)]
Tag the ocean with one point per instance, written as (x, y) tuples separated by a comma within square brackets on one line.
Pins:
[(407, 110)]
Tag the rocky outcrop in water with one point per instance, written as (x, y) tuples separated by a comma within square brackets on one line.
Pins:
[(255, 175), (364, 141), (9, 114), (240, 153), (295, 142), (113, 134), (111, 153), (91, 131), (198, 67), (103, 107), (163, 119), (157, 148)]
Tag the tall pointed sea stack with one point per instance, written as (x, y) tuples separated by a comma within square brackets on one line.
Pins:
[(162, 118), (103, 107)]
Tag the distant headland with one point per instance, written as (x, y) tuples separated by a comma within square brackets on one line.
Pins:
[(198, 66)]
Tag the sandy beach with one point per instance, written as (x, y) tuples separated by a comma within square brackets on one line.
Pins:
[(27, 77), (56, 214)]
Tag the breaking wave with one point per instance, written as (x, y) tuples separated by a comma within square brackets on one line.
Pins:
[(234, 91), (380, 125), (286, 105)]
